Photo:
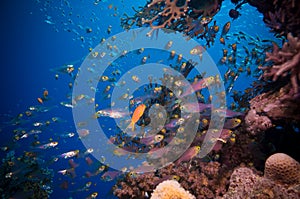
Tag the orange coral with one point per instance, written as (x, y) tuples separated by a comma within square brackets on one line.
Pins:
[(171, 11)]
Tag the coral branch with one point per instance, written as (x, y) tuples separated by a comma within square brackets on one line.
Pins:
[(287, 62), (171, 12)]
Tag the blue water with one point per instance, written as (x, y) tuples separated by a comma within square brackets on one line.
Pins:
[(30, 47)]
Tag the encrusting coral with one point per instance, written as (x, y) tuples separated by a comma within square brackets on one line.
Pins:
[(170, 189), (282, 168), (281, 180), (245, 183)]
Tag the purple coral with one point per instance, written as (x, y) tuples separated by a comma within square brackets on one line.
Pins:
[(256, 123)]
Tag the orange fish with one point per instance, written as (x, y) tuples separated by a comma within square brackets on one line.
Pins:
[(137, 114), (222, 40), (40, 100), (225, 29), (45, 94)]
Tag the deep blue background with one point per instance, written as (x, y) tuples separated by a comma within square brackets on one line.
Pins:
[(30, 48)]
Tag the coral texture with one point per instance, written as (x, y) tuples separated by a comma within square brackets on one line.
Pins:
[(286, 62), (268, 108), (202, 179), (256, 123), (170, 189), (244, 183), (282, 168)]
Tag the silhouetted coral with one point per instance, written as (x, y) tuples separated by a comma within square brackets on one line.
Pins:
[(189, 16), (282, 17)]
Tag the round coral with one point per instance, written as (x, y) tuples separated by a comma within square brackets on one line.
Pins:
[(171, 189), (282, 168)]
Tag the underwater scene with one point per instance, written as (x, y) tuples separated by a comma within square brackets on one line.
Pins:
[(158, 99)]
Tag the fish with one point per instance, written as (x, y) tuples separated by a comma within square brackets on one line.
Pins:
[(110, 175), (188, 154), (111, 113), (93, 195), (232, 123), (226, 28), (48, 145), (151, 139), (222, 40), (194, 107), (198, 50), (83, 133), (137, 114), (69, 154), (227, 112), (203, 83)]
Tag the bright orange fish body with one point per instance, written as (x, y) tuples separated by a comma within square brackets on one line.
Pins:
[(137, 114)]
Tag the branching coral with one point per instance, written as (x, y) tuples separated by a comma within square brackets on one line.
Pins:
[(281, 102), (281, 16), (287, 62), (178, 15), (171, 12), (170, 189)]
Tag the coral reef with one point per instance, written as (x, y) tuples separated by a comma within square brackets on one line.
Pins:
[(189, 16), (282, 168), (202, 179), (286, 63), (256, 123), (280, 103), (246, 183), (170, 189), (282, 17), (24, 177), (272, 107)]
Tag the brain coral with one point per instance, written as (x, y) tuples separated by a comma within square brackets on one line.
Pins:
[(170, 189), (283, 169)]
